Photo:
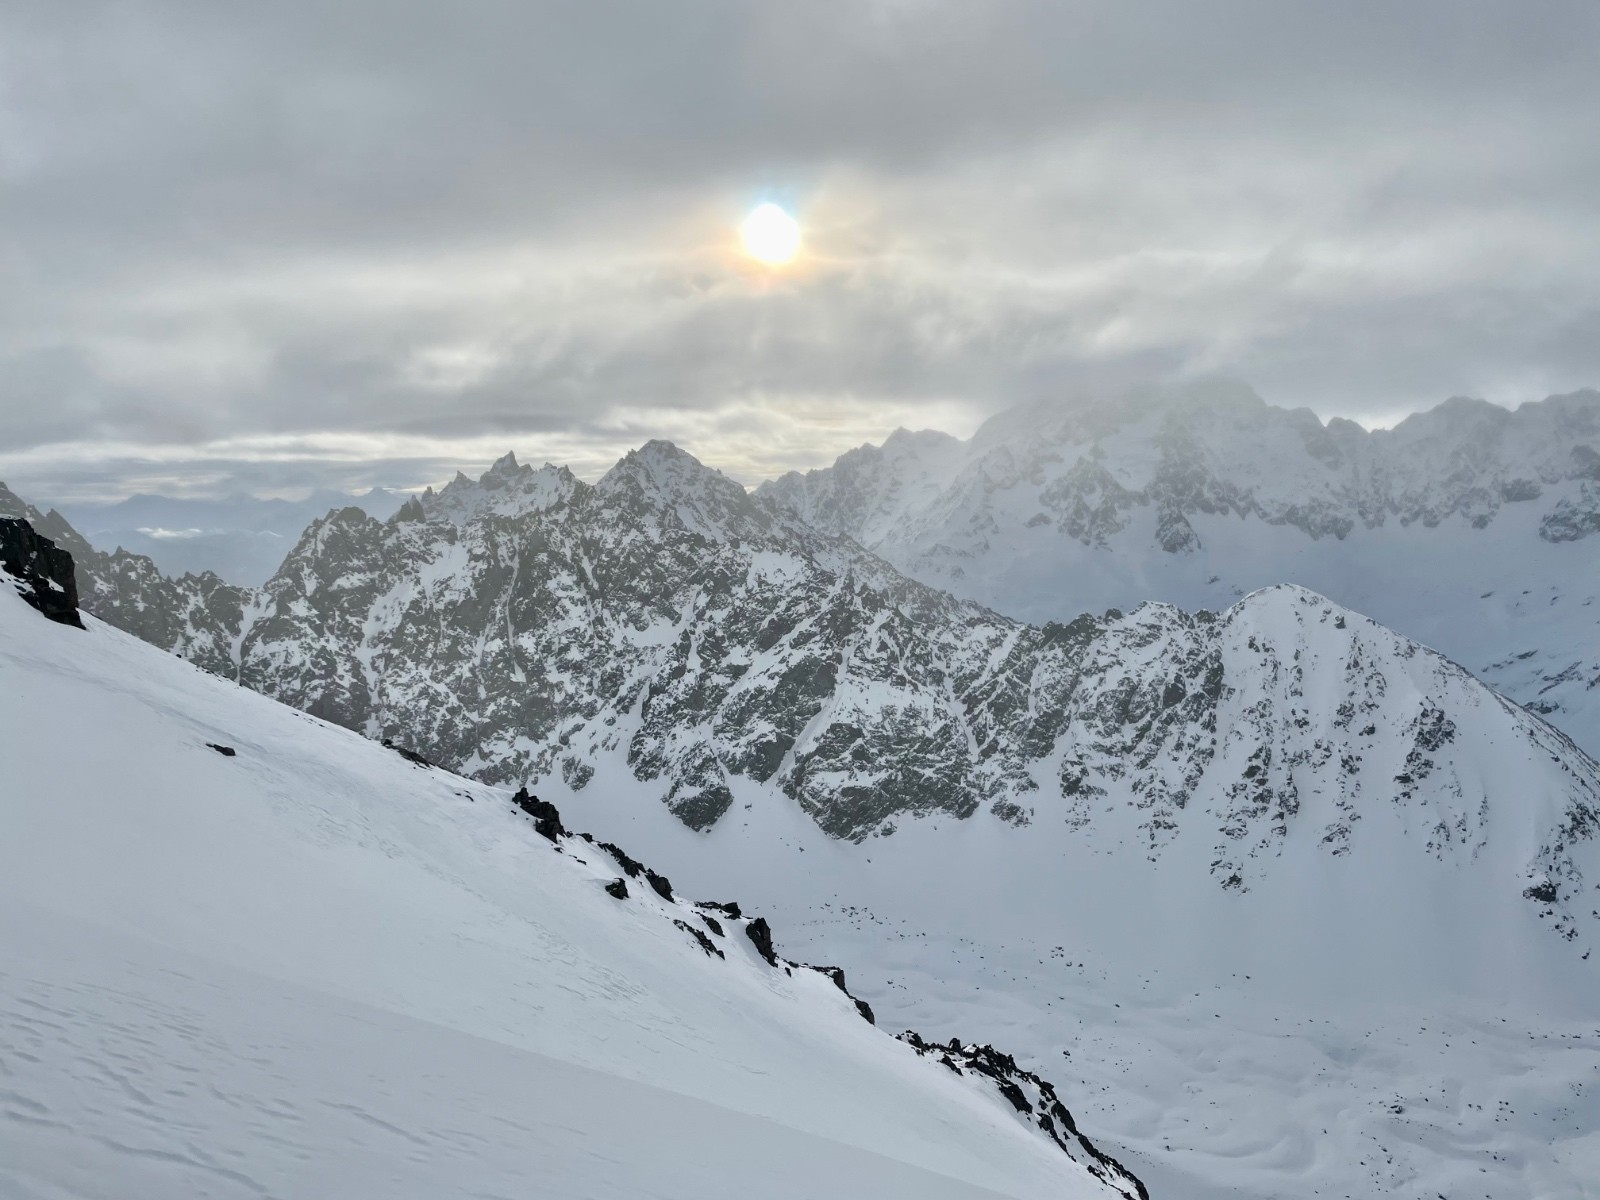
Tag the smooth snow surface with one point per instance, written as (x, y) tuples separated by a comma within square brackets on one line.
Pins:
[(313, 969)]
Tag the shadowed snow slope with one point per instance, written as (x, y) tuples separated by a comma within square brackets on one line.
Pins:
[(309, 967)]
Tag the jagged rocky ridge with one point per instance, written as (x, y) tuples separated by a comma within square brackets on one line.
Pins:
[(1467, 527), (527, 624), (1088, 466)]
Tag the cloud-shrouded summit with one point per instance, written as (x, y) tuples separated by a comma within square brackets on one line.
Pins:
[(287, 247)]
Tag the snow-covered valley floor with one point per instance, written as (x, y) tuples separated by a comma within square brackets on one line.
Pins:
[(1223, 1092), (1270, 1062)]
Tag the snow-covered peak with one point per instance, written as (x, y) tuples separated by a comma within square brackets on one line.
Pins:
[(504, 467), (864, 492), (1087, 413), (1447, 526), (660, 480), (506, 489), (667, 470)]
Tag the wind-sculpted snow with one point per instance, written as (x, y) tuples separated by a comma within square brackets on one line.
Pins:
[(258, 956), (1197, 495)]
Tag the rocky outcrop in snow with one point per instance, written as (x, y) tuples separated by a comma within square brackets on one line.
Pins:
[(40, 571), (1033, 1097)]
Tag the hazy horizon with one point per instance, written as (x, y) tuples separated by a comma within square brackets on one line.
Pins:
[(595, 465)]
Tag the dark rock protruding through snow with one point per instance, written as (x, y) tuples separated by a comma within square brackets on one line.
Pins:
[(42, 572), (1033, 1098)]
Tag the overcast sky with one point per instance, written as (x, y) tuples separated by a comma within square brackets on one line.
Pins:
[(265, 246)]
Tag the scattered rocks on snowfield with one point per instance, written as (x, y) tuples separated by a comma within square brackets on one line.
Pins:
[(659, 1053)]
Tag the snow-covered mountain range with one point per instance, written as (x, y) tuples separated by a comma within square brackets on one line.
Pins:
[(1470, 528), (246, 953), (1197, 819), (527, 625)]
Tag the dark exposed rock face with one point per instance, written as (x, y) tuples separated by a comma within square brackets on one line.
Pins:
[(704, 942), (618, 887), (631, 866), (760, 933), (1035, 1101), (1574, 517), (42, 571), (411, 756), (225, 751), (546, 818)]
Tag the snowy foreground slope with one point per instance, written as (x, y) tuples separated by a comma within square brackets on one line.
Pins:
[(313, 968)]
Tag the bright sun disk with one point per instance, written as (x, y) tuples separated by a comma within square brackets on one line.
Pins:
[(771, 235)]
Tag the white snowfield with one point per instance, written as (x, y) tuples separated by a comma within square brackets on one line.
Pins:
[(313, 969)]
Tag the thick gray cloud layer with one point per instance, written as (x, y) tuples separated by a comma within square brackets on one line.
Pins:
[(270, 246)]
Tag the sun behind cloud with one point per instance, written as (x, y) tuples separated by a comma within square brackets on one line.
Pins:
[(770, 235)]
